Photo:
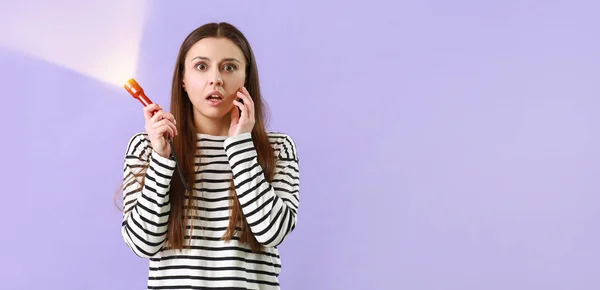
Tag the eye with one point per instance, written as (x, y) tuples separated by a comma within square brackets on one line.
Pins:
[(201, 66), (230, 67)]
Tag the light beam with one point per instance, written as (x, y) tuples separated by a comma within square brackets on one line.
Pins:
[(98, 39)]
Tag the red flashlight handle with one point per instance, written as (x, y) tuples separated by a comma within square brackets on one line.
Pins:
[(144, 100)]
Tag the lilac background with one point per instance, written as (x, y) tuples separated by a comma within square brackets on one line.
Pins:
[(444, 144)]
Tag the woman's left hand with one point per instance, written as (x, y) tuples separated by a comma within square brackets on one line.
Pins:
[(242, 122)]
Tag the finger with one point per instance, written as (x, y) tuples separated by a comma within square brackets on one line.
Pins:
[(150, 110), (246, 92), (243, 108), (162, 123), (248, 104), (164, 131), (173, 125), (235, 114), (171, 117), (248, 98), (160, 115), (173, 129), (165, 126), (156, 118)]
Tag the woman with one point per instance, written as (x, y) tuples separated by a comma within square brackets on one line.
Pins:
[(243, 181)]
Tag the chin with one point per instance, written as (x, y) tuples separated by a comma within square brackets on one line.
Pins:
[(213, 113)]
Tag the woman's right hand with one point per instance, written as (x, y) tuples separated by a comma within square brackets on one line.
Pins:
[(159, 126)]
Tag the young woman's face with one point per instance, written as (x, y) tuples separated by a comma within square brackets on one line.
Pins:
[(214, 72)]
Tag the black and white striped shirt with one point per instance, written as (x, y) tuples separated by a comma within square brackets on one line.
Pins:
[(211, 263)]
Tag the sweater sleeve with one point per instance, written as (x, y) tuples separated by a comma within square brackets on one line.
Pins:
[(270, 208), (146, 207)]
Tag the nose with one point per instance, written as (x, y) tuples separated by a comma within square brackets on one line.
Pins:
[(216, 80)]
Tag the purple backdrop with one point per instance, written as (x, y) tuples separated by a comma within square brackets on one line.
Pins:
[(443, 144)]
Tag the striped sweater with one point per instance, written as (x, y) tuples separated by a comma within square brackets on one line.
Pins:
[(211, 263)]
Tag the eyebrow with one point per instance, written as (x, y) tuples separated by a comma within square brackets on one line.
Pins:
[(206, 58)]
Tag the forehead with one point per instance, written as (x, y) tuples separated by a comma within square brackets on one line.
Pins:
[(215, 49)]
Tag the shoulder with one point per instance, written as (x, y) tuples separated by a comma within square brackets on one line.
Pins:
[(139, 146), (284, 146)]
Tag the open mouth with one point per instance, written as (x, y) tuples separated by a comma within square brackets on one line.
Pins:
[(215, 98)]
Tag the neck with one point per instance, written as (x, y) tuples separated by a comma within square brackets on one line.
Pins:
[(210, 126)]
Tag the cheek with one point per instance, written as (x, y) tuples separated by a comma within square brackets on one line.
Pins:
[(194, 85), (235, 82)]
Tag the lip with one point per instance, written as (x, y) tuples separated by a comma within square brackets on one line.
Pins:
[(214, 103), (216, 93)]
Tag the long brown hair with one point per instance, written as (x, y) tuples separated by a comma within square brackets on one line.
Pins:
[(185, 143)]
